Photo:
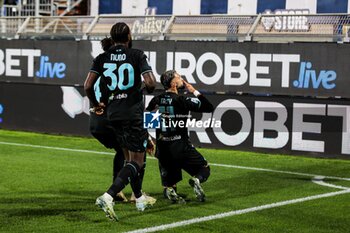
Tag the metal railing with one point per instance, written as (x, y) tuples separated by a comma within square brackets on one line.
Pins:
[(55, 27), (204, 27), (38, 8), (261, 28), (29, 8)]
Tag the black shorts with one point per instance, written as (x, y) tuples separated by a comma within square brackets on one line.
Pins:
[(175, 156), (102, 130), (130, 134)]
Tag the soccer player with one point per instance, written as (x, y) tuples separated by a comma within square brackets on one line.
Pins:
[(174, 149), (102, 130), (121, 68), (100, 127)]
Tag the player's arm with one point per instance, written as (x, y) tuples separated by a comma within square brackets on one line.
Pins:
[(150, 81), (89, 83), (146, 72), (89, 90), (201, 104)]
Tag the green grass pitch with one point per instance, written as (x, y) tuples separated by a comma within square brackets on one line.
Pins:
[(47, 189)]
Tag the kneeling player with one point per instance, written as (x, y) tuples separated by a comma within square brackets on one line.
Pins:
[(174, 149)]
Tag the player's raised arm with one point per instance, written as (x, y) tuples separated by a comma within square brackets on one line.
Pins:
[(202, 104)]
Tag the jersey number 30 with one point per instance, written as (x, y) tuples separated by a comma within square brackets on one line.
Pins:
[(119, 80)]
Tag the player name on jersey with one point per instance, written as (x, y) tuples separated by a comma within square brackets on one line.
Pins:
[(118, 57)]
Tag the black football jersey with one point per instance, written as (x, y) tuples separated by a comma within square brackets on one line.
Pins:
[(175, 109), (120, 70)]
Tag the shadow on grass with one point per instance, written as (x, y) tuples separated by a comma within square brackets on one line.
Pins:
[(73, 205)]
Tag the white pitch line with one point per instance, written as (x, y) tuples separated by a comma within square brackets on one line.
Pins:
[(278, 171), (56, 148), (237, 212), (211, 164), (319, 180)]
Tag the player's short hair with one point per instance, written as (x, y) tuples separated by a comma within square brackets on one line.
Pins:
[(166, 78), (120, 32), (106, 43)]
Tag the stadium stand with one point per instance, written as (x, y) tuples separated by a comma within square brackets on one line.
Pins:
[(317, 27), (38, 7)]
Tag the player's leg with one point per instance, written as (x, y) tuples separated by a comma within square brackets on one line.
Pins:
[(142, 174), (163, 174), (118, 164), (131, 168), (173, 175), (196, 180), (106, 201), (162, 170), (143, 169), (136, 143), (135, 182), (196, 165), (101, 129), (118, 161), (170, 172)]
